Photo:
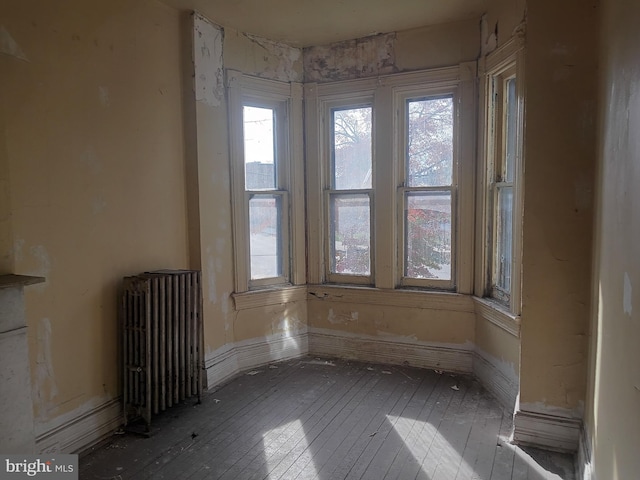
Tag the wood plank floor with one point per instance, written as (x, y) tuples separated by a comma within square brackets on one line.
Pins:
[(330, 419)]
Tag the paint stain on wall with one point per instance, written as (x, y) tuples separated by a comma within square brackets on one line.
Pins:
[(103, 95), (46, 385), (44, 262), (90, 160), (207, 59), (362, 57), (211, 276), (626, 295), (341, 318), (98, 205), (9, 46), (18, 246), (226, 303)]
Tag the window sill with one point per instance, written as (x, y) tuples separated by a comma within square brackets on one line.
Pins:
[(398, 297), (269, 296), (497, 314)]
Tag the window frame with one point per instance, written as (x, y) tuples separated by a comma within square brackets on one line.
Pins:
[(330, 191), (497, 68), (285, 99), (401, 100)]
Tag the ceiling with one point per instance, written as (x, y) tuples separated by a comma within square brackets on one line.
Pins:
[(303, 23)]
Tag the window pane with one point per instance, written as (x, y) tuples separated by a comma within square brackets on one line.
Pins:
[(504, 238), (259, 151), (510, 109), (265, 236), (352, 148), (429, 142), (350, 226), (428, 235)]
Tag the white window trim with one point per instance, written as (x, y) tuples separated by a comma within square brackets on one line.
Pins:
[(493, 65), (385, 91), (244, 89)]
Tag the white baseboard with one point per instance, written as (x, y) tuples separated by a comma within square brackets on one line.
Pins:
[(82, 431), (503, 387), (546, 431), (234, 358), (392, 350), (584, 467)]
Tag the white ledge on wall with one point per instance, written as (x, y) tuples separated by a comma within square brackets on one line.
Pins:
[(271, 296), (398, 298), (497, 315)]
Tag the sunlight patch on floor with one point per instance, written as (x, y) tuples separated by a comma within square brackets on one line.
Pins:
[(429, 448), (284, 443)]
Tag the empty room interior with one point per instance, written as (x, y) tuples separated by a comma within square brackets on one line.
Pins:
[(389, 187)]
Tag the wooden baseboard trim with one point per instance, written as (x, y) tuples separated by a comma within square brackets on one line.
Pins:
[(551, 432), (228, 361), (83, 431), (504, 388), (584, 467)]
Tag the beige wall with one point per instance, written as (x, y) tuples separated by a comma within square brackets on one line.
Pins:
[(612, 416), (436, 325), (557, 223), (93, 141)]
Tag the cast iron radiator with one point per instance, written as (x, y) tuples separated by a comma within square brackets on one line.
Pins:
[(162, 341)]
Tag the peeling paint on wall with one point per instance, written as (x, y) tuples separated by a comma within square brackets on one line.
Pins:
[(286, 57), (207, 59), (8, 45), (489, 36), (362, 57)]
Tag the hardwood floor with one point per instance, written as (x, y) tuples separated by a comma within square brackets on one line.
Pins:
[(330, 419)]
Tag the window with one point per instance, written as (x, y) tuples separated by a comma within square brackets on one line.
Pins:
[(503, 171), (428, 191), (349, 195), (383, 176), (266, 197), (263, 141)]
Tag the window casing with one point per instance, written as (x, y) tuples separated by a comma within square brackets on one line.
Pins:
[(428, 188), (265, 158), (415, 216), (504, 108)]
